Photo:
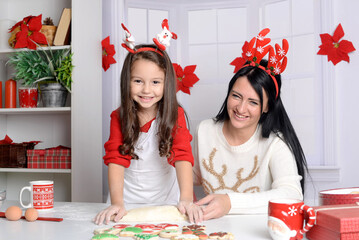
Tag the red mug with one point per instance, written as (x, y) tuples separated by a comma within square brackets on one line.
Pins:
[(41, 195), (27, 97), (286, 219)]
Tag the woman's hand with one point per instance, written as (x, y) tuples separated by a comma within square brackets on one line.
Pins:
[(113, 212), (218, 205), (194, 212)]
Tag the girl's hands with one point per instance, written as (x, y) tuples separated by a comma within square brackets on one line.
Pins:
[(113, 212), (194, 212), (218, 205)]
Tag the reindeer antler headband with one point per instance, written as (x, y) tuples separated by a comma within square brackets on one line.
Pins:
[(277, 61), (162, 40)]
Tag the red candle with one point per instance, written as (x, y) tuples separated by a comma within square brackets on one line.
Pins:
[(10, 94), (0, 94)]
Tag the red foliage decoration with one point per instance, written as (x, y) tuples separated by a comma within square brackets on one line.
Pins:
[(335, 49), (108, 51), (185, 78), (29, 33)]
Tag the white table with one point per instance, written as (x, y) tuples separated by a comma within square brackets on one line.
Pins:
[(77, 224)]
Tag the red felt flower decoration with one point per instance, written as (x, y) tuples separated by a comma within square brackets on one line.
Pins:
[(29, 33), (108, 51), (185, 78), (335, 49)]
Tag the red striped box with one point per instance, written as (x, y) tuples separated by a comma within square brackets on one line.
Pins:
[(58, 157), (335, 222)]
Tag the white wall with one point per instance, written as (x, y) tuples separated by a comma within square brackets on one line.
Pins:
[(344, 105), (111, 26), (340, 155), (86, 104), (347, 86)]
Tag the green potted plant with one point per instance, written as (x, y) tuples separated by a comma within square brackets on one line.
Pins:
[(48, 70)]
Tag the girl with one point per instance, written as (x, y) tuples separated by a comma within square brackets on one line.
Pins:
[(149, 146), (249, 153)]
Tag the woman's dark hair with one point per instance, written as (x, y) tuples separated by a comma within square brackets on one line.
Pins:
[(276, 119), (167, 106)]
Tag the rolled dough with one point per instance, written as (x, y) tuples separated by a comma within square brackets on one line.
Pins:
[(154, 214)]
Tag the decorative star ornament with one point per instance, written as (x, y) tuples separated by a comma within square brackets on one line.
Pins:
[(108, 51), (335, 49), (185, 78)]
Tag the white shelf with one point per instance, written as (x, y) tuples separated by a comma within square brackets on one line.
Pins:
[(4, 53), (39, 110), (61, 126), (34, 170), (11, 50)]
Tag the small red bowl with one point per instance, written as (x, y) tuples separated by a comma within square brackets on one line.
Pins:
[(339, 196)]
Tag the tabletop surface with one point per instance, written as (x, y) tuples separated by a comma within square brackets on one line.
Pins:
[(77, 224)]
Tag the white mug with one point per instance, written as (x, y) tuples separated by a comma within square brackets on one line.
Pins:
[(41, 195)]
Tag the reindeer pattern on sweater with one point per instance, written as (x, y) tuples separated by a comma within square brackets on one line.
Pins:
[(251, 174)]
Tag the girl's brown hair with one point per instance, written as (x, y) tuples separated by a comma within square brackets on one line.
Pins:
[(167, 106)]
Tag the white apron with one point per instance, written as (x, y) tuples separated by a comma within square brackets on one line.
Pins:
[(150, 179)]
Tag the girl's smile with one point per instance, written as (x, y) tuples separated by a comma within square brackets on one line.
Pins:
[(147, 84), (145, 99)]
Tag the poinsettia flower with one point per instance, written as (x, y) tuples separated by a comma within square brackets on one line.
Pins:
[(185, 78), (108, 51), (29, 33), (25, 20), (335, 49)]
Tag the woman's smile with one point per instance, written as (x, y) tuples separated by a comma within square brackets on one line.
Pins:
[(240, 117)]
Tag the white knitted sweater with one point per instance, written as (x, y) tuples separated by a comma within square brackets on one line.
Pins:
[(251, 174)]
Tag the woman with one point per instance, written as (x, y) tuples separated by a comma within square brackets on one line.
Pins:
[(249, 153)]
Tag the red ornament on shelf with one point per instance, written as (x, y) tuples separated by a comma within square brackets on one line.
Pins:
[(28, 97), (10, 94), (27, 33), (0, 94)]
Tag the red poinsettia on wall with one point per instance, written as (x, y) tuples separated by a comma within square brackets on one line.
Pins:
[(28, 33), (185, 78), (108, 51), (335, 49)]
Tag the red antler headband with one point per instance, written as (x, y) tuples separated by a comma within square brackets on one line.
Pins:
[(162, 40), (277, 61)]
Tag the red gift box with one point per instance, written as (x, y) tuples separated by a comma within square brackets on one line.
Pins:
[(58, 157), (335, 222), (322, 233)]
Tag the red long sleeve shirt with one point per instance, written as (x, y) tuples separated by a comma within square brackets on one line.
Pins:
[(182, 150)]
